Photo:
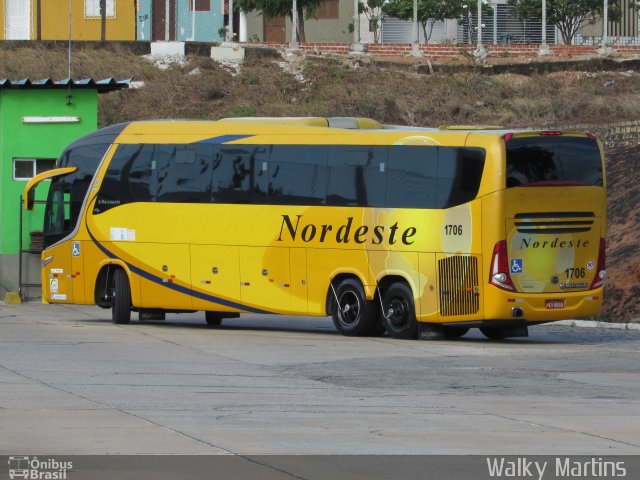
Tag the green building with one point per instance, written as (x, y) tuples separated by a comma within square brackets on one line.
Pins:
[(38, 119)]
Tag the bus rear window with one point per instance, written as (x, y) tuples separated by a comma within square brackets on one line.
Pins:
[(553, 160)]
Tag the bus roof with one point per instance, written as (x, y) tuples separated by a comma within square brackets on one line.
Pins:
[(300, 125)]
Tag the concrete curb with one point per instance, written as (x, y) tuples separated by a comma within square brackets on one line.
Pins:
[(598, 324)]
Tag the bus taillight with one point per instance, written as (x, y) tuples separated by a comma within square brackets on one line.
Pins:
[(601, 273), (500, 267)]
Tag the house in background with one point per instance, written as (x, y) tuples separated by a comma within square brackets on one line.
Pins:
[(16, 20), (183, 21), (330, 23), (49, 20)]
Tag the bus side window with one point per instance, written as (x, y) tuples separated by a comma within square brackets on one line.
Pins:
[(130, 177), (412, 176), (356, 176), (298, 175), (184, 173), (459, 175), (239, 174)]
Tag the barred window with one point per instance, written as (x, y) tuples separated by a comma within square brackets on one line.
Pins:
[(93, 8)]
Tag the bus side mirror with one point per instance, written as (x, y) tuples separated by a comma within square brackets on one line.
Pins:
[(29, 194)]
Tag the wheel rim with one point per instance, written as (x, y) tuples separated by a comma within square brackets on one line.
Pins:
[(348, 308), (399, 309)]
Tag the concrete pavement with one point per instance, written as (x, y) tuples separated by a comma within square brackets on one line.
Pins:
[(73, 383)]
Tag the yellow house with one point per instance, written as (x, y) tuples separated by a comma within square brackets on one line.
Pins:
[(50, 19)]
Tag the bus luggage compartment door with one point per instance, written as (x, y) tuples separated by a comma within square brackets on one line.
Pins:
[(265, 278), (168, 281), (215, 271)]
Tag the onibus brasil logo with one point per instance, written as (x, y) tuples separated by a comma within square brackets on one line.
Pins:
[(35, 469)]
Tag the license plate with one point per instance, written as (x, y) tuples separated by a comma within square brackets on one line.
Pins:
[(554, 303)]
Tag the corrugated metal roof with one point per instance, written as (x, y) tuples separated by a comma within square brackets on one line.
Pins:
[(102, 86)]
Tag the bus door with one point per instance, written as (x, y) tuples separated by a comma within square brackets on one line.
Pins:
[(58, 274), (265, 279), (215, 275)]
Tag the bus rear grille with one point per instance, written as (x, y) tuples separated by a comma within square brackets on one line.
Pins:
[(551, 223), (459, 293)]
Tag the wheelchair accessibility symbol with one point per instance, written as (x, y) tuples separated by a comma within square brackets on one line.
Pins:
[(75, 249), (516, 265)]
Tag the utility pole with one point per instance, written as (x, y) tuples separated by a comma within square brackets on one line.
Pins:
[(294, 26), (544, 48), (356, 46), (480, 52), (103, 20), (415, 45)]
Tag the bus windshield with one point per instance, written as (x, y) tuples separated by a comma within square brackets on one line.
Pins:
[(553, 160), (66, 193)]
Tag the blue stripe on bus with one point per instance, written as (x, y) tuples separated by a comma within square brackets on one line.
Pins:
[(173, 286), (222, 139)]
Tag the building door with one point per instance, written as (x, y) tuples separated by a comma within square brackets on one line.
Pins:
[(159, 19), (18, 20), (274, 29)]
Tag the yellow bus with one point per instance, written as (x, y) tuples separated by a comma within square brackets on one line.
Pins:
[(418, 232)]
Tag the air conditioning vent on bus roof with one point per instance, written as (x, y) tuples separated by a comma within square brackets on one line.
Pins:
[(350, 123)]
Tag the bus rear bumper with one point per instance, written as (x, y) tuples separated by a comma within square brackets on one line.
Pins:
[(541, 307)]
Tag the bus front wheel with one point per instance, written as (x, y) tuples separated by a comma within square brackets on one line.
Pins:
[(399, 315), (121, 298), (213, 319), (351, 313)]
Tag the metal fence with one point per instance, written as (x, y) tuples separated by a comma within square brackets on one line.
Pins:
[(501, 26), (332, 22)]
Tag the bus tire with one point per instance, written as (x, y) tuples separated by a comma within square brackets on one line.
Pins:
[(121, 301), (455, 332), (399, 315), (492, 333), (213, 319), (352, 315)]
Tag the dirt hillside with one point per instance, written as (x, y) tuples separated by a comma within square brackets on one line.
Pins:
[(622, 293)]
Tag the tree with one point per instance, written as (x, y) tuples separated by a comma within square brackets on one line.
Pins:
[(568, 15), (281, 8), (372, 9), (429, 11)]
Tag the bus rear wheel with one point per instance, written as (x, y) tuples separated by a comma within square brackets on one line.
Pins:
[(121, 298), (352, 314), (492, 333), (399, 315)]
